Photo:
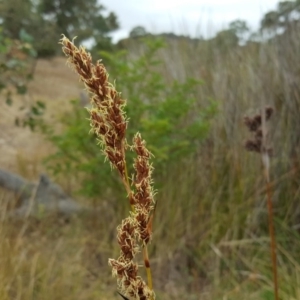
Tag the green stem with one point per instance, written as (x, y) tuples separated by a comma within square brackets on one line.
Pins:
[(148, 269)]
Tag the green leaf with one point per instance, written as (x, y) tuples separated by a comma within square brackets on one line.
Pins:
[(21, 89), (41, 104), (17, 122), (8, 100), (25, 37)]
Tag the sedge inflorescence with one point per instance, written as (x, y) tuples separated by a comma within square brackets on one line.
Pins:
[(255, 124), (109, 122), (260, 144)]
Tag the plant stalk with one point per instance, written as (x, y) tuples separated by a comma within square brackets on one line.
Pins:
[(271, 231)]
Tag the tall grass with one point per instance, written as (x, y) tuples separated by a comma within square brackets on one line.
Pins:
[(214, 213), (210, 229)]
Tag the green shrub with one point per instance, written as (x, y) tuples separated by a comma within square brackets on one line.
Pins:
[(15, 64), (166, 114), (17, 61)]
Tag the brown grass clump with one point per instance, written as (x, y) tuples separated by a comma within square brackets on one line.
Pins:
[(109, 122)]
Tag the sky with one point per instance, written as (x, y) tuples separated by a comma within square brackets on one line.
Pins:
[(189, 17)]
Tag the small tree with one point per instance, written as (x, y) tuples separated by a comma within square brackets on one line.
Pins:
[(137, 31), (83, 18), (240, 29), (45, 20)]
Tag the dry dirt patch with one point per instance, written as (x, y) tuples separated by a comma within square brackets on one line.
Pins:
[(22, 150)]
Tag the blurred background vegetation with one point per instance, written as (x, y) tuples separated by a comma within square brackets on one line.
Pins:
[(187, 97)]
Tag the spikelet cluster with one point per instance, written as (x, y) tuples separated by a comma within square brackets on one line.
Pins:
[(136, 229), (108, 121), (255, 125), (107, 115)]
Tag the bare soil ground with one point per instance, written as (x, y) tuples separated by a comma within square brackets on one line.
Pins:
[(22, 150)]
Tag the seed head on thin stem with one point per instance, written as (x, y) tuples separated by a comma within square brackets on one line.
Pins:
[(108, 121), (258, 143)]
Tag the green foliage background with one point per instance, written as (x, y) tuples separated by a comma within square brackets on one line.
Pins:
[(210, 226), (46, 20), (166, 114)]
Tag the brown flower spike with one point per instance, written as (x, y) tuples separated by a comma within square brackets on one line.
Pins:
[(108, 119), (109, 122), (255, 125)]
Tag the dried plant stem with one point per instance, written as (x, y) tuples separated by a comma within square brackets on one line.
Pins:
[(272, 232), (147, 266), (125, 178), (259, 144), (126, 184)]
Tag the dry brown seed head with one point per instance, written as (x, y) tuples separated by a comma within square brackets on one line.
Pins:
[(269, 112), (253, 146), (254, 125)]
